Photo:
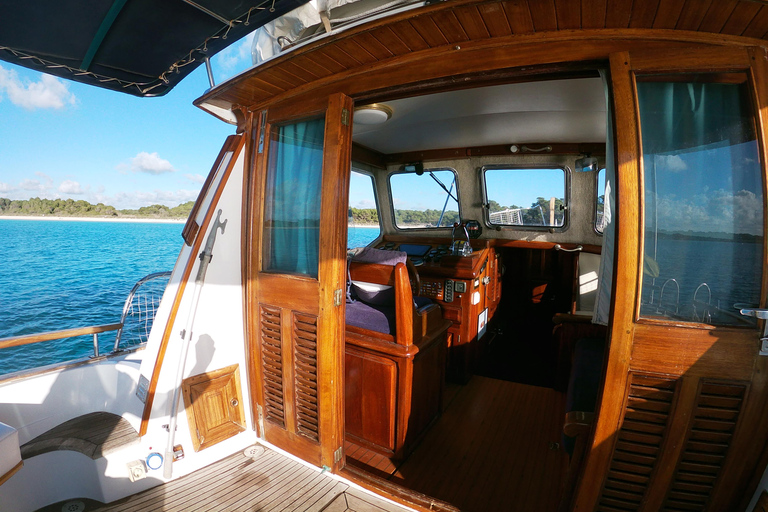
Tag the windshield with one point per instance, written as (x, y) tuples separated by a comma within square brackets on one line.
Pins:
[(425, 200)]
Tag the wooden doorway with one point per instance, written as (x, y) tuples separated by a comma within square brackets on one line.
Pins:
[(295, 276), (681, 420)]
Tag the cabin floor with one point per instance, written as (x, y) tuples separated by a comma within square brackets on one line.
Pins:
[(497, 446)]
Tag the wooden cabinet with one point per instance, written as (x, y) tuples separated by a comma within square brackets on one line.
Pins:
[(214, 406)]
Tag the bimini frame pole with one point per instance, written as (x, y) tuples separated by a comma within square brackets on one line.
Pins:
[(186, 334)]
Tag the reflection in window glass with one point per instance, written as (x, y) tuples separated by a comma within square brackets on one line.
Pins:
[(600, 202), (703, 201), (429, 200), (526, 197), (291, 240), (363, 226)]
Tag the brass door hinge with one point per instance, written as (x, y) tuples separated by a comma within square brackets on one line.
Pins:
[(260, 413), (338, 454), (261, 130), (337, 297), (345, 117)]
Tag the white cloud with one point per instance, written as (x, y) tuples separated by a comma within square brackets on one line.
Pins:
[(48, 92), (32, 185), (6, 187), (364, 204), (195, 178), (235, 58), (715, 211), (70, 187), (671, 163), (149, 163)]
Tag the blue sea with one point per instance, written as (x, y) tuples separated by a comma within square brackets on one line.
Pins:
[(67, 274)]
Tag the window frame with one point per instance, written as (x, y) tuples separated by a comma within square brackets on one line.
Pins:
[(516, 227), (357, 168), (392, 203), (597, 190)]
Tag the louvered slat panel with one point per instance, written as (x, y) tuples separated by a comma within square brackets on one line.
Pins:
[(640, 439), (715, 415), (305, 357), (272, 365)]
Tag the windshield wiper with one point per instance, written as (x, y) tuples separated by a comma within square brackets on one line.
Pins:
[(444, 187), (450, 195)]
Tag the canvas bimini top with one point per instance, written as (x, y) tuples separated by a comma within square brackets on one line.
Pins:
[(140, 47)]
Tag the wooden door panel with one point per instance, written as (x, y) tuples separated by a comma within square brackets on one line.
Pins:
[(681, 423), (295, 272)]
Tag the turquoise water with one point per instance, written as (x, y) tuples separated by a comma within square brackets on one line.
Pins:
[(67, 274)]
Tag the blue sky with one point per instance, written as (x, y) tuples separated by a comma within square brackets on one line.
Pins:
[(61, 139)]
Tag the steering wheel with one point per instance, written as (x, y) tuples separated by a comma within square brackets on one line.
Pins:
[(414, 275)]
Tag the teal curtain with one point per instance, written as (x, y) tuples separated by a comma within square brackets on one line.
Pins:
[(605, 273), (292, 210), (685, 116)]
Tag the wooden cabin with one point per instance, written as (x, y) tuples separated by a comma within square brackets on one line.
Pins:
[(598, 349), (479, 89)]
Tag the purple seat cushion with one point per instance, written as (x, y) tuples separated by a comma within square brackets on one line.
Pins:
[(376, 317), (373, 317), (372, 255)]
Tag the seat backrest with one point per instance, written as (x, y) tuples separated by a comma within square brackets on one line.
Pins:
[(397, 277)]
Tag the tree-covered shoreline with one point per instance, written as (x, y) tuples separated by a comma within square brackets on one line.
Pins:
[(37, 207)]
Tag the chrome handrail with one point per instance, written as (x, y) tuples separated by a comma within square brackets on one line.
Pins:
[(129, 300)]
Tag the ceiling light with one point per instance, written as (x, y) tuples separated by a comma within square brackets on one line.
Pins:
[(375, 113)]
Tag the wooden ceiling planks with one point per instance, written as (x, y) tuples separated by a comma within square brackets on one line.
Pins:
[(668, 13), (717, 16), (495, 19), (472, 22), (544, 15), (618, 14), (693, 14), (643, 14), (593, 14), (568, 14), (454, 24), (757, 27), (742, 15)]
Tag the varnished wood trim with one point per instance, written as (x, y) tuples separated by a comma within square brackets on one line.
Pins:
[(254, 221), (481, 55), (403, 307), (4, 478), (691, 59), (337, 158), (16, 341), (755, 409), (532, 244), (182, 287), (191, 228), (395, 492), (497, 150), (368, 156), (611, 400), (251, 147)]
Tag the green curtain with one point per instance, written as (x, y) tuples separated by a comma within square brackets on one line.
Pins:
[(685, 116), (292, 211)]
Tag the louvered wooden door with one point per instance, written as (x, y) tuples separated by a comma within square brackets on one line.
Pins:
[(296, 277), (683, 417)]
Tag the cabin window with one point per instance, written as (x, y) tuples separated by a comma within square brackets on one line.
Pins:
[(363, 225), (292, 205), (600, 202), (427, 198), (703, 213), (526, 197)]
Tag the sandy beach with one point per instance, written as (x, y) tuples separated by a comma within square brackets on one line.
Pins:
[(92, 219)]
